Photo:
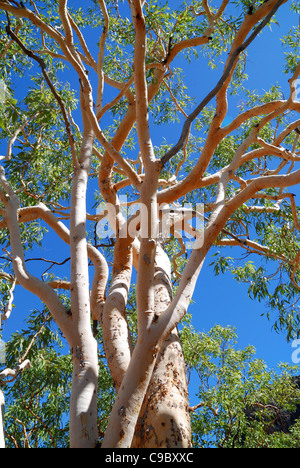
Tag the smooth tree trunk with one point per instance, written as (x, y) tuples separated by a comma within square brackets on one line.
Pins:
[(83, 408), (116, 337), (151, 408), (152, 298)]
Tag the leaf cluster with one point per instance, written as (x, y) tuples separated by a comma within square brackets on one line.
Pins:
[(37, 402), (241, 401)]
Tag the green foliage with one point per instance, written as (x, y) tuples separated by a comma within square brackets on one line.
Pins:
[(37, 402), (269, 275), (239, 397)]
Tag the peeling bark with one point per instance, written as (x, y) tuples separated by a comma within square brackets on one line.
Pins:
[(164, 420)]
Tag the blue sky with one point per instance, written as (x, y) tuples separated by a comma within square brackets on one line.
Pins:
[(221, 299), (217, 300)]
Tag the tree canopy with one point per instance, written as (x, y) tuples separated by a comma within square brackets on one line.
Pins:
[(100, 123)]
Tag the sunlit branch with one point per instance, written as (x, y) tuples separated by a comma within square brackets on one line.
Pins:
[(173, 151)]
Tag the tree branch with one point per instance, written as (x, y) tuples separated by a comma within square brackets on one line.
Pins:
[(59, 100), (64, 16), (228, 70), (101, 56), (13, 373)]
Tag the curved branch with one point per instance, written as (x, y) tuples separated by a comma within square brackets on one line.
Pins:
[(226, 74), (116, 337), (41, 211), (13, 373), (9, 305), (65, 19), (101, 56), (28, 281), (59, 100)]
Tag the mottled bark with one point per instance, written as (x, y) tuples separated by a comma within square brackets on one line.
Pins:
[(164, 419), (116, 337)]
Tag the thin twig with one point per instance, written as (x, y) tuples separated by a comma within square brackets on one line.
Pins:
[(23, 358), (61, 104)]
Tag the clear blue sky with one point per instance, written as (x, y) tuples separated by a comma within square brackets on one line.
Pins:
[(218, 300), (221, 299)]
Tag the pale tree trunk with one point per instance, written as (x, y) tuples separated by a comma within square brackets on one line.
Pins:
[(2, 404), (124, 416), (116, 337), (75, 326), (83, 409), (160, 427), (126, 410), (164, 420)]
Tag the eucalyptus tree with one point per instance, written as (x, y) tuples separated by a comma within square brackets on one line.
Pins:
[(122, 60)]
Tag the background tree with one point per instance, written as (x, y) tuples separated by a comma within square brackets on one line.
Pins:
[(38, 399), (56, 151), (242, 403)]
